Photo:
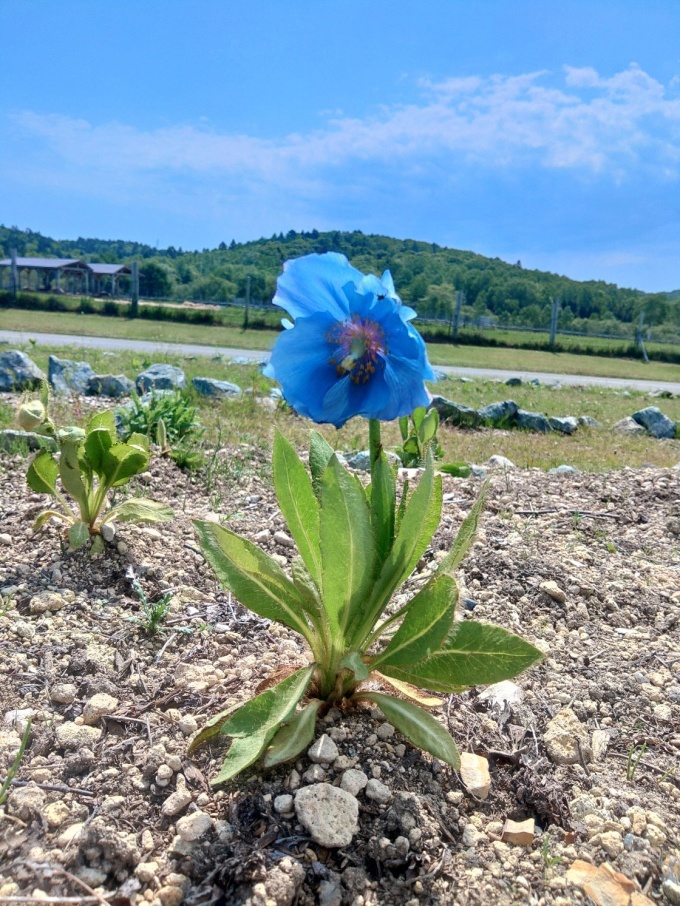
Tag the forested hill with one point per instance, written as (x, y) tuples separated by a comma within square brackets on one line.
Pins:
[(426, 275)]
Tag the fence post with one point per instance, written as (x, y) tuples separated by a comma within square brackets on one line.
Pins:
[(553, 321), (456, 316), (134, 292)]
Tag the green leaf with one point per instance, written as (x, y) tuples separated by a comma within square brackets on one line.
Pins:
[(411, 446), (257, 581), (425, 626), (403, 427), (270, 708), (71, 475), (97, 443), (103, 420), (466, 535), (320, 452), (41, 476), (242, 753), (421, 728), (293, 737), (408, 691), (78, 535), (428, 428), (383, 502), (42, 518), (309, 593), (353, 662), (418, 524), (139, 440), (139, 509), (418, 416), (212, 727), (122, 461), (474, 654), (457, 469), (346, 545), (298, 504)]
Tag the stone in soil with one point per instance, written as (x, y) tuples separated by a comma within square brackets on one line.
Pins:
[(330, 815)]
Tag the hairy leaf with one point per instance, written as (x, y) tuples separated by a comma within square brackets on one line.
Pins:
[(475, 654), (42, 518), (41, 476), (298, 504), (425, 626), (139, 509), (271, 708), (212, 727), (78, 535), (122, 461), (97, 443), (383, 498), (103, 420), (419, 726), (353, 662), (257, 581), (466, 535), (320, 452), (346, 545), (71, 475), (242, 753), (294, 736)]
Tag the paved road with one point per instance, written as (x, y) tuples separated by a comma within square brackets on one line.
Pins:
[(576, 380)]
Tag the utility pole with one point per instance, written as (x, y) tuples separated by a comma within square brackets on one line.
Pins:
[(553, 321), (639, 342), (134, 296), (456, 316), (247, 311)]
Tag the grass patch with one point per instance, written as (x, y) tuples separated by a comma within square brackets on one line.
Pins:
[(232, 335)]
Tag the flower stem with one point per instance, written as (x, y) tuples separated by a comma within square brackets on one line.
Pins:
[(374, 442)]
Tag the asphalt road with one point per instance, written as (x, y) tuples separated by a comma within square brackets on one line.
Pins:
[(492, 374)]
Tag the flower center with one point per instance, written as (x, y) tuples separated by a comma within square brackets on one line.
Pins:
[(358, 344)]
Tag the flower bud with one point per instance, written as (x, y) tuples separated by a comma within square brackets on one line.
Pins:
[(31, 415)]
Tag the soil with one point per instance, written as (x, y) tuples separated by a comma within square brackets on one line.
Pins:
[(89, 814)]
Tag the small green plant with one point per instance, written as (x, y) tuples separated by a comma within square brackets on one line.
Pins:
[(154, 613), (419, 436), (16, 764), (546, 855), (89, 464), (142, 415), (186, 455), (635, 754)]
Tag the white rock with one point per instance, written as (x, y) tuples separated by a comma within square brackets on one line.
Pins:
[(108, 532), (385, 731), (330, 815), (283, 804), (188, 724), (500, 462), (26, 801), (553, 590), (323, 751), (55, 813), (564, 736), (471, 835), (63, 693), (283, 539), (177, 801), (378, 792), (96, 707), (314, 774), (192, 827), (74, 736), (353, 781), (18, 719), (70, 835)]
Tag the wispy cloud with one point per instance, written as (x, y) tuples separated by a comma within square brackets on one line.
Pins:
[(577, 120)]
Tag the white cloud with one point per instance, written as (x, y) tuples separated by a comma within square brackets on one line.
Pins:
[(589, 123)]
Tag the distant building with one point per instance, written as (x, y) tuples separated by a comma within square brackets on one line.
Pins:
[(62, 275)]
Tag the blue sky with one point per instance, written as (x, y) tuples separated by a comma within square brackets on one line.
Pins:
[(528, 130)]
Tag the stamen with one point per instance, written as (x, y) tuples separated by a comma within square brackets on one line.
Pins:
[(360, 345)]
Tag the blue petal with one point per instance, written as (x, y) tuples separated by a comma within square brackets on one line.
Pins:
[(314, 283), (300, 363)]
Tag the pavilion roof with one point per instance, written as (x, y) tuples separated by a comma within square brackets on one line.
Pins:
[(44, 263)]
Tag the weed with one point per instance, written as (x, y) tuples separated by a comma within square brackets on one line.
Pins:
[(16, 764), (633, 761), (154, 613), (143, 414), (548, 858)]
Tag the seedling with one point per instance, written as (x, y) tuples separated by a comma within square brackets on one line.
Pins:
[(16, 764), (633, 760)]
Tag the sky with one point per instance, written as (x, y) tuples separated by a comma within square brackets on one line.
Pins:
[(521, 129)]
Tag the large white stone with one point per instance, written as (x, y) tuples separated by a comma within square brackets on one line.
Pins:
[(329, 814)]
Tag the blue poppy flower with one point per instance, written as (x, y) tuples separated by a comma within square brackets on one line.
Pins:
[(351, 349)]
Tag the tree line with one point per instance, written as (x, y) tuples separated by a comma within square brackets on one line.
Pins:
[(426, 275)]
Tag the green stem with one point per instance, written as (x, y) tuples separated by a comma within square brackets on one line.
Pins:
[(374, 442), (379, 630)]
